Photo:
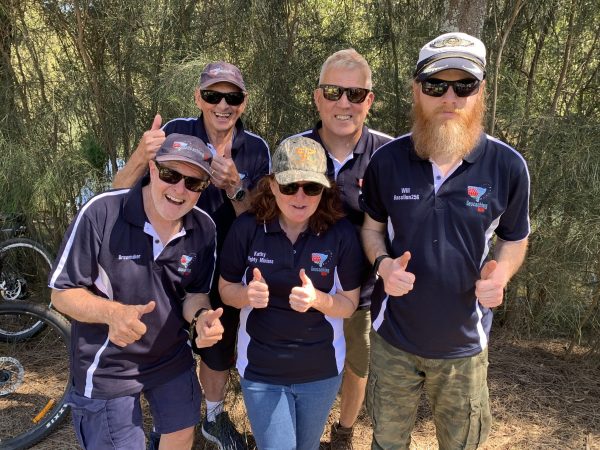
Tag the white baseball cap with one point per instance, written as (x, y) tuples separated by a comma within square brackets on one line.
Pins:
[(451, 51)]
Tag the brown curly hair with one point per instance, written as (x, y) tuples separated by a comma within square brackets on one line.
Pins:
[(328, 212)]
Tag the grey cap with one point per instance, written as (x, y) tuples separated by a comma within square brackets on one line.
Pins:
[(299, 158), (189, 149), (451, 51), (221, 71)]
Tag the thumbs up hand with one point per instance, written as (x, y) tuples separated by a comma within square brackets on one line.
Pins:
[(151, 140), (258, 290), (303, 297), (209, 329), (489, 289), (125, 325), (396, 280)]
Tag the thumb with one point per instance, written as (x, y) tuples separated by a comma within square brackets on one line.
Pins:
[(488, 268), (156, 123), (213, 315), (404, 259), (304, 278), (256, 274), (145, 309)]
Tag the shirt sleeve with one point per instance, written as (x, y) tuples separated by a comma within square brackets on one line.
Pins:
[(514, 222), (205, 272), (76, 265), (234, 254), (262, 168), (370, 199), (351, 262)]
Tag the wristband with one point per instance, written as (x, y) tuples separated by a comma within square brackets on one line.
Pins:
[(192, 329), (378, 262)]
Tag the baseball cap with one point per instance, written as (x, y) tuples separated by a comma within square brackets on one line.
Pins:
[(451, 51), (300, 159), (221, 71), (189, 149)]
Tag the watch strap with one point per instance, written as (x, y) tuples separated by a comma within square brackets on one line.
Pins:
[(377, 263), (192, 329)]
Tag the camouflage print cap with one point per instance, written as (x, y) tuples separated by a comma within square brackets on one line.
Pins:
[(189, 149), (300, 159)]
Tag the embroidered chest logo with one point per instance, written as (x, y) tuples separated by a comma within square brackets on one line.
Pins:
[(184, 264), (319, 260), (478, 194), (260, 257)]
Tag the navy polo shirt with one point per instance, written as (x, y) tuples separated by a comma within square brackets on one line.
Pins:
[(277, 344), (448, 233), (252, 159), (113, 251), (349, 181)]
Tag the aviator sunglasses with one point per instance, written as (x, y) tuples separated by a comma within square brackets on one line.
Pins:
[(354, 94), (215, 97), (310, 189), (171, 176), (462, 88)]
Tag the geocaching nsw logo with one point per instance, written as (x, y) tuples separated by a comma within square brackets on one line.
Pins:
[(476, 195), (319, 260), (184, 264)]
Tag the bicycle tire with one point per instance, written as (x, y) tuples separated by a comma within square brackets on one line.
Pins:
[(24, 268), (34, 377)]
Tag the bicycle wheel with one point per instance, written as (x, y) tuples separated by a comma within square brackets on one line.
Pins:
[(24, 268), (34, 376)]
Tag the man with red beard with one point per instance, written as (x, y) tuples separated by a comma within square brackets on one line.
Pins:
[(437, 195)]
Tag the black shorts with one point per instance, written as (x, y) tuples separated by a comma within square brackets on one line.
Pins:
[(221, 356)]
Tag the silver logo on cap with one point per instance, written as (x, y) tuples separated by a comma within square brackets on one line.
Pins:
[(452, 42)]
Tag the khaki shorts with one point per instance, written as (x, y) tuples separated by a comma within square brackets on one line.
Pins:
[(356, 332), (456, 389)]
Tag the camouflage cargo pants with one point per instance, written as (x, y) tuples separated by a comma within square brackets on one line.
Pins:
[(456, 389)]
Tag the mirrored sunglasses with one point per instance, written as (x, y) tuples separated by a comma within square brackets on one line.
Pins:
[(310, 189), (354, 94), (462, 88), (215, 97), (171, 176)]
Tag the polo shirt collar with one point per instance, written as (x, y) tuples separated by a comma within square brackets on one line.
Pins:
[(471, 158), (133, 207), (360, 146), (239, 140)]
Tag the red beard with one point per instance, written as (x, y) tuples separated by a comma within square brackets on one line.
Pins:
[(436, 138)]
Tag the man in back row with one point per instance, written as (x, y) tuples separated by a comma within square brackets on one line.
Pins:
[(240, 159), (343, 99), (439, 194)]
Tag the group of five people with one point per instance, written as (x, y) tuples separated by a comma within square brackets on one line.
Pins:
[(210, 244)]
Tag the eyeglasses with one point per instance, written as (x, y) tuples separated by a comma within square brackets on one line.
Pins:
[(171, 176), (215, 97), (310, 189), (462, 88), (354, 94)]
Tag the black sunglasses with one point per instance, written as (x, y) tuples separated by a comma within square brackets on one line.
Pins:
[(215, 97), (462, 88), (171, 176), (310, 189), (354, 94)]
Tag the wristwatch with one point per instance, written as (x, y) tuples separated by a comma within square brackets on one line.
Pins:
[(238, 195), (378, 262), (192, 329)]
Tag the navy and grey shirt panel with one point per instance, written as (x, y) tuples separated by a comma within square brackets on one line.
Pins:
[(107, 252), (277, 344), (349, 181), (448, 233)]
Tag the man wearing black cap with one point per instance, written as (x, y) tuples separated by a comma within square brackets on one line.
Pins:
[(134, 272), (240, 159), (438, 194)]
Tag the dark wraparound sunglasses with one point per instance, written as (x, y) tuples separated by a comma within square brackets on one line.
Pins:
[(354, 94), (171, 176), (310, 189), (462, 88), (215, 97)]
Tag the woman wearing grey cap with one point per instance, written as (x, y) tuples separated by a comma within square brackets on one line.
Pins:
[(292, 265)]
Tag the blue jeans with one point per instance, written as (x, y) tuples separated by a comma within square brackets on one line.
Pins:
[(289, 416)]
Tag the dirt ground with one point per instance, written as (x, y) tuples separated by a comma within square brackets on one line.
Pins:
[(539, 400)]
